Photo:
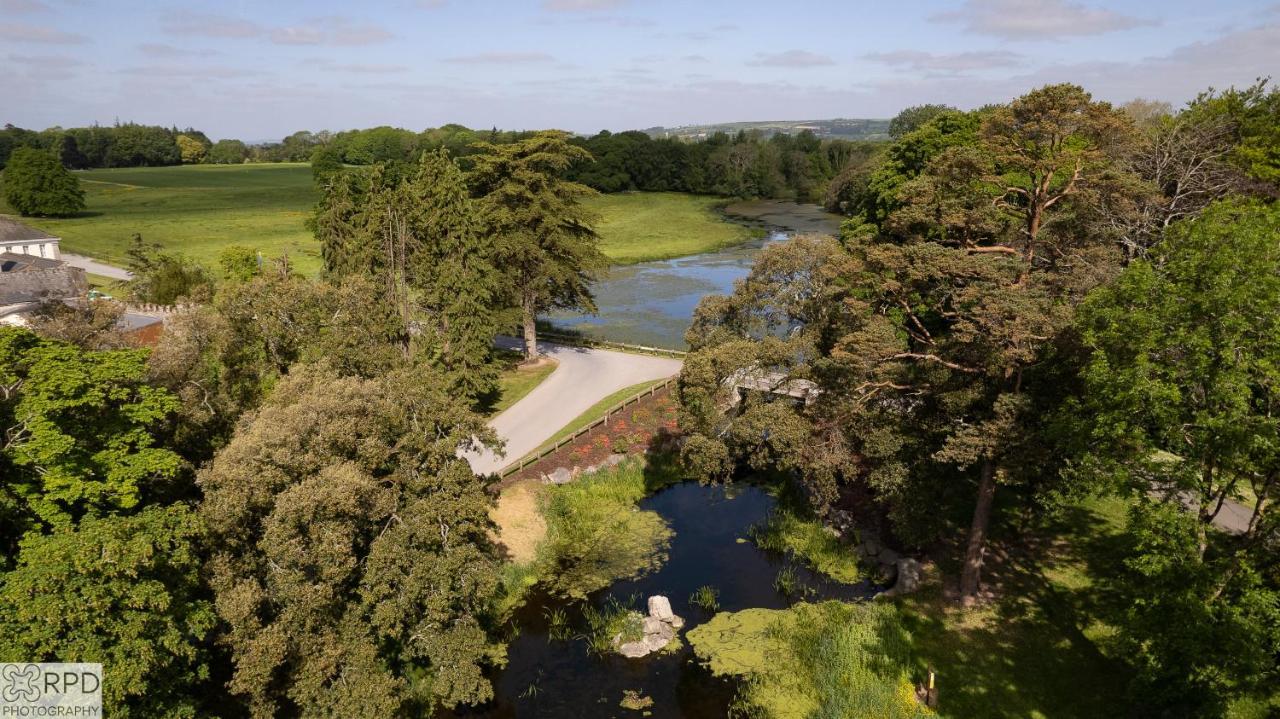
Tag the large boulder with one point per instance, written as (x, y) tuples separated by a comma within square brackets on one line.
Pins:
[(908, 579), (660, 607)]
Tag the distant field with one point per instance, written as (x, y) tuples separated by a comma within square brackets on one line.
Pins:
[(198, 210), (642, 226)]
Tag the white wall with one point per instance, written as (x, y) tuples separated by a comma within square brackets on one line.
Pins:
[(37, 248)]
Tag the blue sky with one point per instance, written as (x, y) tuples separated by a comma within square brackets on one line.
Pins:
[(259, 70)]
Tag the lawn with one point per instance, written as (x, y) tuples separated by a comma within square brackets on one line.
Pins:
[(199, 209), (196, 210), (516, 381), (642, 226)]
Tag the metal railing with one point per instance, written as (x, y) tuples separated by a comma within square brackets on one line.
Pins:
[(540, 454)]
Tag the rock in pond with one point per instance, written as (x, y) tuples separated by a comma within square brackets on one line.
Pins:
[(660, 607), (659, 629)]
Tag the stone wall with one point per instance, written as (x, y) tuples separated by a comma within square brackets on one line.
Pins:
[(38, 285)]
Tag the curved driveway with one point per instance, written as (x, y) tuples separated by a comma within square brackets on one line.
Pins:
[(585, 376)]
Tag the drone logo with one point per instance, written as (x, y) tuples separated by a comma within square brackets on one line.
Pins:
[(20, 683)]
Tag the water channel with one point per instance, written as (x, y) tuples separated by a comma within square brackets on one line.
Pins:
[(651, 303)]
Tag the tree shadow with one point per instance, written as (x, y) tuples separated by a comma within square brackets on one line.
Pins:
[(1032, 650)]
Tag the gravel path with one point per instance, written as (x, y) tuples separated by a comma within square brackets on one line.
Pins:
[(585, 376), (97, 268)]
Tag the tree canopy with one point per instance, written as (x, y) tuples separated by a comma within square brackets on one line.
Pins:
[(37, 185)]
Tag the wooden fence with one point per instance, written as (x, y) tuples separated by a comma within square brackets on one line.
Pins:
[(537, 455), (581, 341)]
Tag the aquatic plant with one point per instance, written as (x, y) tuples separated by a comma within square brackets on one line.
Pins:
[(595, 533), (707, 597), (557, 623), (614, 619), (786, 582), (635, 701), (790, 531), (821, 660)]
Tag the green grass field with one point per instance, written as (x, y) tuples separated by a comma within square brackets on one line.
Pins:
[(642, 226), (197, 210)]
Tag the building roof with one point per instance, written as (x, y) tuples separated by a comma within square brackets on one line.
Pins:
[(14, 262), (13, 231)]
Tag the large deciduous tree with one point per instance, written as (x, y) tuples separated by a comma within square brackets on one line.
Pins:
[(37, 185), (546, 246), (124, 591), (1180, 411), (79, 429), (352, 560)]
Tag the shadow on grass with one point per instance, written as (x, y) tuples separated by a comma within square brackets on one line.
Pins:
[(1033, 651)]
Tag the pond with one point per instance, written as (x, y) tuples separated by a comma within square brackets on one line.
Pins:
[(651, 303), (548, 677)]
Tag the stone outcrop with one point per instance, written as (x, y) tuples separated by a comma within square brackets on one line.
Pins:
[(659, 628)]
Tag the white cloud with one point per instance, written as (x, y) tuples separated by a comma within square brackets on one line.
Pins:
[(156, 49), (502, 58), (23, 7), (338, 31), (791, 58), (1037, 19), (335, 30), (948, 64), (582, 5), (185, 22), (21, 32), (59, 62)]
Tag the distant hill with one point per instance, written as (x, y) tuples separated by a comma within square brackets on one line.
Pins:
[(839, 128)]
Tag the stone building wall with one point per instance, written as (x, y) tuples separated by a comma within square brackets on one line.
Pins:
[(35, 285)]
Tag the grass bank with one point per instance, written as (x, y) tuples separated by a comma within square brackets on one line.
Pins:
[(793, 529), (596, 411), (582, 536), (644, 226), (515, 381), (196, 210)]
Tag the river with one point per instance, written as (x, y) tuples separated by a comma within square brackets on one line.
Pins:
[(651, 303)]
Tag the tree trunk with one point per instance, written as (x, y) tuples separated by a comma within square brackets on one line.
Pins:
[(530, 331), (970, 577)]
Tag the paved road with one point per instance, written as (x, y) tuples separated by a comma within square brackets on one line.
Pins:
[(584, 377), (95, 267)]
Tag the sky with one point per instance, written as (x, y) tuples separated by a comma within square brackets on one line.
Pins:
[(261, 70)]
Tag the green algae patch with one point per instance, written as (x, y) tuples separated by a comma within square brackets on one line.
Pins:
[(738, 643), (831, 659)]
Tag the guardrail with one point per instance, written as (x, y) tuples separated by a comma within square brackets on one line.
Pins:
[(534, 457), (581, 341)]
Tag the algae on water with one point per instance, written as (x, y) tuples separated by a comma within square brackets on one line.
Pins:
[(828, 660)]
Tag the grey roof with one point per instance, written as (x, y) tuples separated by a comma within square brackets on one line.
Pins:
[(14, 262), (135, 321), (13, 231)]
